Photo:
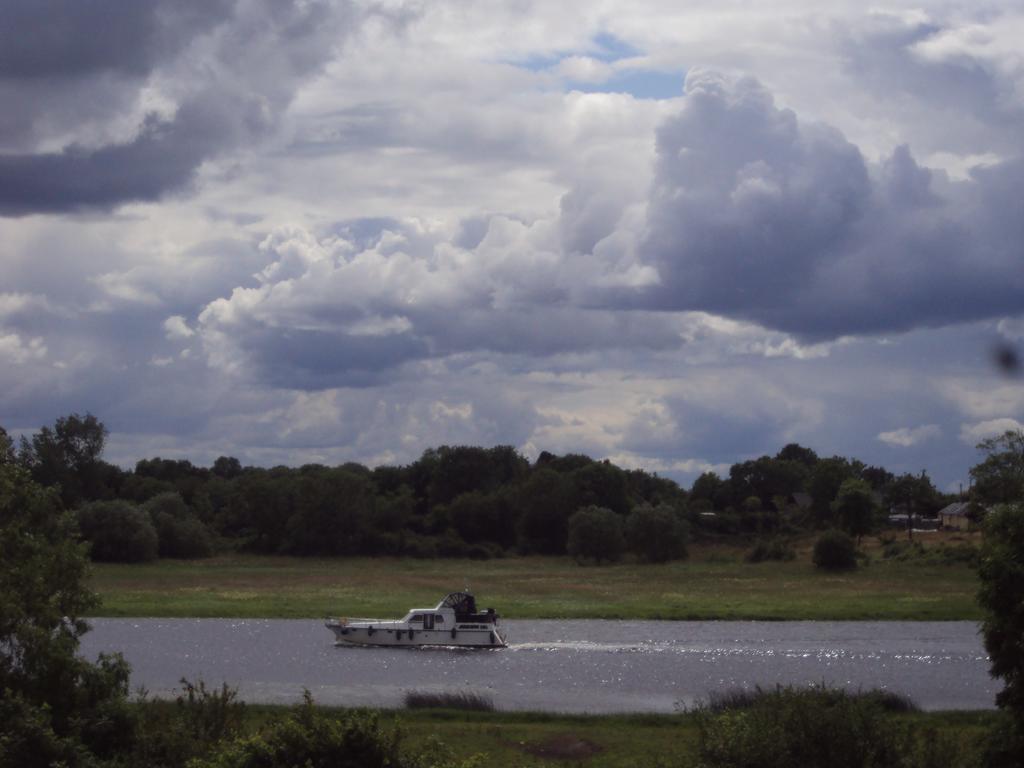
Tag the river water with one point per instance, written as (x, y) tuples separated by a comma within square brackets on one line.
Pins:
[(565, 666)]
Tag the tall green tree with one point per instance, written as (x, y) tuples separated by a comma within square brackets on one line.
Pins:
[(541, 505), (914, 494), (855, 508), (7, 453), (68, 455), (1001, 572), (656, 534), (56, 708), (999, 478), (596, 535), (825, 480)]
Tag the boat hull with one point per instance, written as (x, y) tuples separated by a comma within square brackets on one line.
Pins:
[(347, 634)]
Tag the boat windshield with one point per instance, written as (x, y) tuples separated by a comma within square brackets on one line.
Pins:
[(460, 602)]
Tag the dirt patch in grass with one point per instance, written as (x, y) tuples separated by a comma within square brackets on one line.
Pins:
[(564, 746)]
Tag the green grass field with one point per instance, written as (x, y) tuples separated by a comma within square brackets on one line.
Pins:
[(714, 584)]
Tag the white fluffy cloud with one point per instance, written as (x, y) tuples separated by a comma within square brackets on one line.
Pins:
[(972, 434), (905, 437)]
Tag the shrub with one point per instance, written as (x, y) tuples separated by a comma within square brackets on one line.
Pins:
[(118, 531), (657, 534), (595, 534), (196, 723), (353, 739), (817, 728), (770, 549), (835, 551), (943, 554)]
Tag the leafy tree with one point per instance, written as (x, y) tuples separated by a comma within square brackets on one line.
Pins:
[(331, 512), (180, 533), (767, 477), (227, 467), (706, 487), (877, 477), (796, 452), (461, 469), (541, 505), (482, 517), (601, 483), (56, 708), (1001, 572), (118, 532), (7, 453), (999, 478), (570, 462), (854, 507), (913, 493), (68, 456), (596, 534), (752, 514), (1002, 597), (824, 482), (656, 534), (650, 488), (834, 551)]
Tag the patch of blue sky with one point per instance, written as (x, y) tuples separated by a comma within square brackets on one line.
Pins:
[(609, 48), (640, 84), (604, 47)]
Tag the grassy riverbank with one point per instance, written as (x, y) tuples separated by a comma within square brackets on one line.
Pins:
[(596, 741), (714, 584), (611, 741)]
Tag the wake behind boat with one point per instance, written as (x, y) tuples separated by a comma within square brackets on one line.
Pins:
[(454, 621)]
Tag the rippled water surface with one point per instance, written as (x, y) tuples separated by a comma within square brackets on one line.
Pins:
[(573, 666)]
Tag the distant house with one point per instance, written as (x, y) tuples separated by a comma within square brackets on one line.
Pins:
[(955, 516), (801, 500)]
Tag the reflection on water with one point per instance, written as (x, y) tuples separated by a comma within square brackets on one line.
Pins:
[(573, 666)]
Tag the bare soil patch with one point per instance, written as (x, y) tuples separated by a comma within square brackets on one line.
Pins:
[(564, 746)]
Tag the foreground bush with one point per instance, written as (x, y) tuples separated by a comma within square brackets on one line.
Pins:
[(835, 551), (118, 531), (818, 728), (307, 737), (197, 723)]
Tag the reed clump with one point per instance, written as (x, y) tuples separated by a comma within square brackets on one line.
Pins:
[(465, 700)]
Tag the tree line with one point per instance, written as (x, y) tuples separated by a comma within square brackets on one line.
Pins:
[(467, 501)]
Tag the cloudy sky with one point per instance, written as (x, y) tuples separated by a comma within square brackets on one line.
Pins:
[(676, 235)]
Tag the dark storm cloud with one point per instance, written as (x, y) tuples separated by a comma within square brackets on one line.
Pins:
[(756, 216), (76, 38), (244, 73), (311, 360), (162, 158)]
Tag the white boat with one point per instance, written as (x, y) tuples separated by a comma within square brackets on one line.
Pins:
[(454, 621)]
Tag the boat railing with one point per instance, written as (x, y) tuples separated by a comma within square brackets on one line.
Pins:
[(344, 621)]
